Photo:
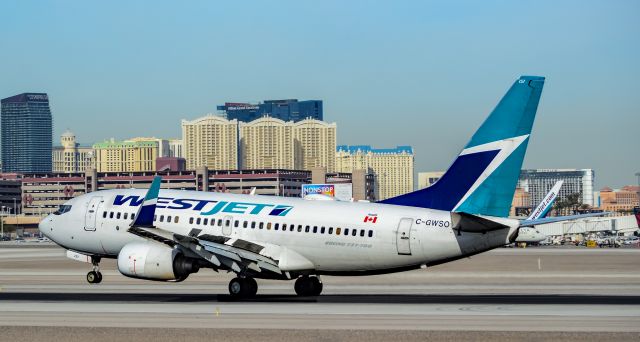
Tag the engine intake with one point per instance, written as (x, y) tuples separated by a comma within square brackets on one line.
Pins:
[(155, 262)]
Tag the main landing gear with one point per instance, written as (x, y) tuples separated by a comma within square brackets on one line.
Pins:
[(95, 277), (243, 287), (308, 286)]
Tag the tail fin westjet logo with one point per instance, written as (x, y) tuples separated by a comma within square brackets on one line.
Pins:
[(208, 207)]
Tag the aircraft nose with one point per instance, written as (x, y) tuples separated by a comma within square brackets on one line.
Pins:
[(45, 226)]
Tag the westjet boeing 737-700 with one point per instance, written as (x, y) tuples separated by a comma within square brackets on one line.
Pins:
[(166, 235)]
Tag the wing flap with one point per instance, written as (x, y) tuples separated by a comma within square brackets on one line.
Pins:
[(222, 252)]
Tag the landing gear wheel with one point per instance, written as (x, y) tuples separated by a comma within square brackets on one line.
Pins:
[(99, 277), (243, 287), (308, 286), (317, 286), (252, 287), (94, 277)]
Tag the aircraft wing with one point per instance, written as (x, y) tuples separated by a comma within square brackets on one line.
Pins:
[(221, 252), (531, 223)]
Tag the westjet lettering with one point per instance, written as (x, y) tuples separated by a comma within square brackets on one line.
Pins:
[(200, 205)]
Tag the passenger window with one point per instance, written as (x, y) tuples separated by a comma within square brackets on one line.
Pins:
[(338, 231), (346, 231), (190, 220), (118, 215), (161, 218), (198, 220), (175, 219), (292, 226), (205, 221), (111, 214), (245, 224), (168, 219), (354, 232), (236, 224), (306, 229), (275, 227), (213, 222), (227, 222), (268, 225), (125, 215), (284, 227), (261, 225), (322, 230), (133, 216), (362, 232), (253, 225), (104, 214), (371, 233), (220, 223), (330, 230), (315, 229)]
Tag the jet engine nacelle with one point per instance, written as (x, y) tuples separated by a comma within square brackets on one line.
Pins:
[(155, 262)]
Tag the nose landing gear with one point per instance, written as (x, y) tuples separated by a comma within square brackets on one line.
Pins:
[(95, 277)]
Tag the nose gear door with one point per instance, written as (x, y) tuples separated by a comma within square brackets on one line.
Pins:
[(92, 213), (403, 237)]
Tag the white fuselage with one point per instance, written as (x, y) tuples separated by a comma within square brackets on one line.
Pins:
[(337, 237)]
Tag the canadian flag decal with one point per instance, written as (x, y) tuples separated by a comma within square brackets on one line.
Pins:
[(371, 218)]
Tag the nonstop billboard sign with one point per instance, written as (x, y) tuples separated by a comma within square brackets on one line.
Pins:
[(341, 192)]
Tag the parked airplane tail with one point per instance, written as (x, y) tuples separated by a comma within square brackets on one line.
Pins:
[(483, 178)]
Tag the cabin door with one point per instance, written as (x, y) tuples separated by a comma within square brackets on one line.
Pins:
[(403, 237), (92, 213)]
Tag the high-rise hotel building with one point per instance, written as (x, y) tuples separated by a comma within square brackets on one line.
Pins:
[(393, 167), (126, 156), (210, 141), (26, 130), (314, 145), (70, 157), (267, 143)]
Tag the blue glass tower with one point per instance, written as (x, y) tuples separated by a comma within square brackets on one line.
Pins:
[(286, 110), (26, 130)]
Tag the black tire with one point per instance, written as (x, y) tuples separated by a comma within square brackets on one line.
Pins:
[(99, 280), (237, 287), (317, 286), (92, 277), (252, 287), (304, 286)]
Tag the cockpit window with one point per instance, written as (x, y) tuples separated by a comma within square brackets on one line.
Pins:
[(62, 209)]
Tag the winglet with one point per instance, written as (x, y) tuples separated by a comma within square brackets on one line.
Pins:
[(144, 217)]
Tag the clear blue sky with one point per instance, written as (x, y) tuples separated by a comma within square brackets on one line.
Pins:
[(418, 73)]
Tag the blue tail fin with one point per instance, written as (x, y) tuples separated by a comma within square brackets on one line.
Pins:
[(483, 178), (144, 217)]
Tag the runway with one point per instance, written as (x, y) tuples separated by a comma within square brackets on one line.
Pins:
[(549, 293)]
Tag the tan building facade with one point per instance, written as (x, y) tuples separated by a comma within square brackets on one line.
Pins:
[(267, 143), (622, 200), (427, 179), (314, 144), (393, 168), (210, 141), (126, 156), (70, 156)]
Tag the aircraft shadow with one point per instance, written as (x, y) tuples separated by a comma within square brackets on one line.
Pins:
[(563, 299)]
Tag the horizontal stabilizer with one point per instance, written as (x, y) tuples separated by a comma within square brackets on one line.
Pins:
[(474, 224)]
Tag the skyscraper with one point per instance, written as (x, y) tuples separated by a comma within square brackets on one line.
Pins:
[(210, 141), (26, 133), (392, 167), (285, 110)]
